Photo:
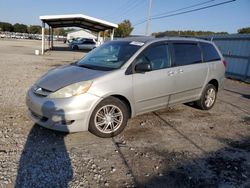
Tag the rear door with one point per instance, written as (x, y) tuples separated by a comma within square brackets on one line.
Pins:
[(189, 72), (152, 89), (87, 45)]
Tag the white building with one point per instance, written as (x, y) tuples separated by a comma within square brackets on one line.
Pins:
[(81, 33)]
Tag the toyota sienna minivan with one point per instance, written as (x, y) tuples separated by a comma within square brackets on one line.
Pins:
[(124, 78)]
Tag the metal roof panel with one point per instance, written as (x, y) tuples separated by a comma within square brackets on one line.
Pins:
[(68, 20)]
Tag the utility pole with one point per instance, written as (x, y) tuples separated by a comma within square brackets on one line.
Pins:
[(149, 18)]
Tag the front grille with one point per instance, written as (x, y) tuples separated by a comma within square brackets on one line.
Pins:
[(37, 116)]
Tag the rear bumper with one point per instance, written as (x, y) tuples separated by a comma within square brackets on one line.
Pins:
[(221, 84), (67, 115)]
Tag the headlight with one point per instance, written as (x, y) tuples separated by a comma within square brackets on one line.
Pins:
[(72, 90)]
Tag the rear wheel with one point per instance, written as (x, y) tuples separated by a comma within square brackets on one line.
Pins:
[(208, 97), (109, 118), (75, 47)]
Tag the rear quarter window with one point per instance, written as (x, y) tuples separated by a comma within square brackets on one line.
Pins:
[(209, 52), (186, 54)]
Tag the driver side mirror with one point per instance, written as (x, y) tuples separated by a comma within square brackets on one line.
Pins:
[(143, 67)]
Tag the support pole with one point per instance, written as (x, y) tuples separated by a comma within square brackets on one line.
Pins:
[(49, 41), (112, 34), (52, 38), (99, 37), (149, 18), (247, 69), (103, 37), (43, 38)]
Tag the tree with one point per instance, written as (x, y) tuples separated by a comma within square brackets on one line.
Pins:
[(124, 29), (244, 30), (60, 31), (35, 29), (5, 26), (68, 30), (20, 28), (186, 33)]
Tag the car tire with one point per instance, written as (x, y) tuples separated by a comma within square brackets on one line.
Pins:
[(208, 97), (75, 47), (109, 118)]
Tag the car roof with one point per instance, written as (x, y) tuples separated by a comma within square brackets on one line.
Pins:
[(137, 39), (150, 39)]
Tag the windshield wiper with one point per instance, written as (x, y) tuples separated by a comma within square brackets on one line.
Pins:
[(74, 63), (86, 66)]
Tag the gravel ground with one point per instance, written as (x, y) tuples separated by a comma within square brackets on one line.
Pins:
[(180, 146)]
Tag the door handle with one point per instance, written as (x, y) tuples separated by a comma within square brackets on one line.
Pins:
[(180, 71), (171, 73)]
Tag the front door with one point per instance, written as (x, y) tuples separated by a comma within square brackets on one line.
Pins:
[(152, 89)]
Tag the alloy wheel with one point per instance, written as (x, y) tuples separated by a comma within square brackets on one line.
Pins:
[(108, 119), (210, 97)]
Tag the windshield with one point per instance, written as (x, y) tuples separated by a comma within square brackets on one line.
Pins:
[(109, 56)]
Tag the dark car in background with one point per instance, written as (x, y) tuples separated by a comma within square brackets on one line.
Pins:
[(83, 44)]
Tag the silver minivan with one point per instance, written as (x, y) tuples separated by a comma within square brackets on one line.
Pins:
[(124, 78)]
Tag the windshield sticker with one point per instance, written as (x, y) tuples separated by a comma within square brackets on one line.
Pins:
[(137, 43)]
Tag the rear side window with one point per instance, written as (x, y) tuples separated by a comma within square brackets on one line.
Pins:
[(209, 52), (186, 54), (88, 42)]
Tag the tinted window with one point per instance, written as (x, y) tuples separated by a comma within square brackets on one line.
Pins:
[(157, 56), (186, 54), (88, 42), (209, 52)]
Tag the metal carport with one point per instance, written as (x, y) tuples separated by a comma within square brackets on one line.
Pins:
[(75, 20)]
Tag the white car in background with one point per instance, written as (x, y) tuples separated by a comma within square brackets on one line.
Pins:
[(2, 35), (84, 44)]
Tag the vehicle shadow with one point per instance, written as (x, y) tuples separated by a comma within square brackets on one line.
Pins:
[(247, 96), (63, 49), (44, 161), (192, 105), (82, 50), (247, 119), (66, 48), (226, 167)]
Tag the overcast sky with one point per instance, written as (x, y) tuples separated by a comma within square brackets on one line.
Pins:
[(227, 17)]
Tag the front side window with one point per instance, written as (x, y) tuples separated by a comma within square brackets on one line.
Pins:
[(157, 56), (186, 54), (109, 56)]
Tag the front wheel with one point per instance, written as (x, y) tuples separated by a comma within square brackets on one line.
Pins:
[(109, 118), (208, 97)]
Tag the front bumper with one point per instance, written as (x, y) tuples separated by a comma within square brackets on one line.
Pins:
[(67, 114)]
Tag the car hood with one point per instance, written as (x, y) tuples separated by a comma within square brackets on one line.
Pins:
[(66, 75)]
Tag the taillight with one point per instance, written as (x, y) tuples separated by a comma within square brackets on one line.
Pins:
[(224, 63)]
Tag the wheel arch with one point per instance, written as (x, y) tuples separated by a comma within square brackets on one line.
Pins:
[(125, 101), (118, 96), (215, 83)]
